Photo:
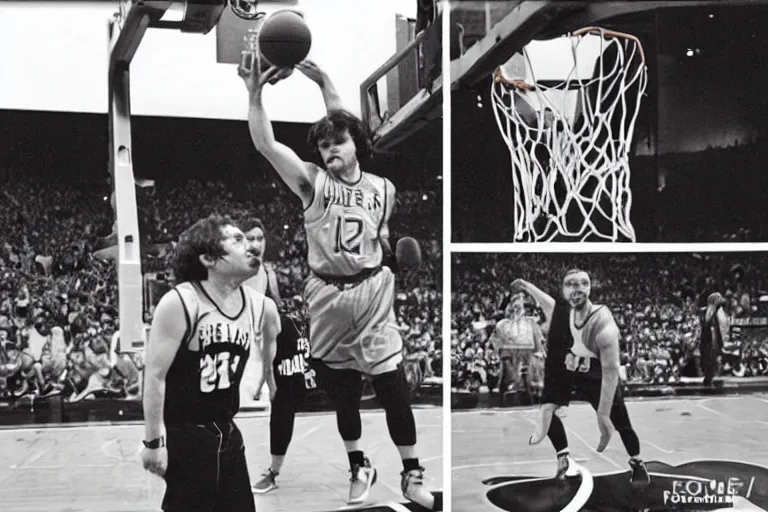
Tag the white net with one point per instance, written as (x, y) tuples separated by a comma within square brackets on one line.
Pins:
[(570, 139)]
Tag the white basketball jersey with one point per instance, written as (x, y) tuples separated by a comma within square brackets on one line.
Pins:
[(259, 281), (343, 224), (585, 335)]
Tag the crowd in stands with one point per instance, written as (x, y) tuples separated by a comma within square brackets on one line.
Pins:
[(59, 297), (656, 299)]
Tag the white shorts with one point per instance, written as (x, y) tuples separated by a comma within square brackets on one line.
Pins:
[(354, 327)]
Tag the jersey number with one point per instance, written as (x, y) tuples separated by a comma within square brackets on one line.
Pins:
[(349, 235), (217, 371)]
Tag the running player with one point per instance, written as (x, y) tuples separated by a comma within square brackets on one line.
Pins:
[(518, 340), (294, 377), (202, 332), (582, 357), (350, 291)]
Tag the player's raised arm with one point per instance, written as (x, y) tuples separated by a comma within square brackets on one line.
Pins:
[(270, 330), (165, 336), (316, 74), (297, 174), (608, 345), (546, 302)]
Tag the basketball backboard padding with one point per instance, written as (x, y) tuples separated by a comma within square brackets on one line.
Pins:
[(506, 38), (546, 19)]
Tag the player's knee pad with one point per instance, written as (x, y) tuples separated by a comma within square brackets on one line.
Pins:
[(392, 393), (348, 418)]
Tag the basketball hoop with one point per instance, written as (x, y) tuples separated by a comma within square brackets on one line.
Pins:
[(246, 9), (570, 138)]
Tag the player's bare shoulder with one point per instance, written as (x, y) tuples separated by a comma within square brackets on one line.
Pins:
[(607, 316)]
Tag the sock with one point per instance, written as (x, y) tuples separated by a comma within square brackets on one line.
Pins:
[(356, 457), (563, 452), (411, 464)]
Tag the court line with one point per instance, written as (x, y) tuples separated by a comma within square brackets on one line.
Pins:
[(64, 466), (511, 463), (702, 406), (657, 447), (32, 458), (577, 502), (601, 455)]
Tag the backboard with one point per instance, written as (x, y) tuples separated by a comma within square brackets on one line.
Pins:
[(402, 101)]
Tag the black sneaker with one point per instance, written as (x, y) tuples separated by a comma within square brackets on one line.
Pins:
[(639, 476), (564, 468)]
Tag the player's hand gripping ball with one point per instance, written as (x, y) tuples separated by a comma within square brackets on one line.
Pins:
[(408, 253)]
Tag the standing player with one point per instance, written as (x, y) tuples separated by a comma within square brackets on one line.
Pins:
[(714, 330), (350, 292), (258, 370), (201, 336), (265, 281), (582, 357), (294, 377), (518, 340)]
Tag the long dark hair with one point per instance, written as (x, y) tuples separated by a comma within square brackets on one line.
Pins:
[(336, 122), (203, 238)]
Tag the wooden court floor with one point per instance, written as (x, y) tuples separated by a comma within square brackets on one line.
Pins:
[(493, 443), (96, 467)]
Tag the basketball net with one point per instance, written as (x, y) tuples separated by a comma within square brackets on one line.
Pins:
[(570, 139)]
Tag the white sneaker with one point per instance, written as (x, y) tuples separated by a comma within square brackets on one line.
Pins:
[(362, 479)]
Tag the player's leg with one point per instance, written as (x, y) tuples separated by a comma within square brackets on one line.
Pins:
[(590, 385), (505, 378), (392, 393), (558, 383), (234, 482), (190, 477), (623, 425), (281, 420), (344, 389)]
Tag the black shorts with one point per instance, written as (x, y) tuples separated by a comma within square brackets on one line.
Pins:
[(584, 384), (207, 470), (346, 385), (290, 390)]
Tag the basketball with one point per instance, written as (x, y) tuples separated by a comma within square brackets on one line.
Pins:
[(285, 39)]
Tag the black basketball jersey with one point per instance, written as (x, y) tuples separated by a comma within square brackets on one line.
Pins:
[(711, 336), (293, 353), (559, 340), (202, 384)]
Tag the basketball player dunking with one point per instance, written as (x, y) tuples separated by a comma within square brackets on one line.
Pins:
[(582, 358), (518, 341), (202, 333), (350, 291)]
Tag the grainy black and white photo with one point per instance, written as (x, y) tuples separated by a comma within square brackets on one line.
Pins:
[(598, 381), (220, 256), (604, 121)]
